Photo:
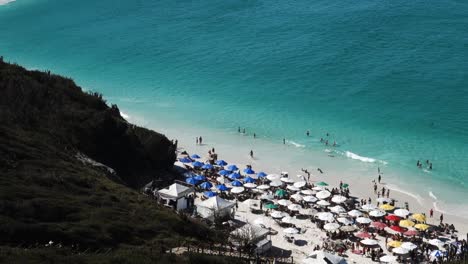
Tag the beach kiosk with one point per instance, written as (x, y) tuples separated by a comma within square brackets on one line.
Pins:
[(214, 206), (175, 196)]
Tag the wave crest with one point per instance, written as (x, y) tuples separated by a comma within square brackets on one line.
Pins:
[(4, 2), (297, 145)]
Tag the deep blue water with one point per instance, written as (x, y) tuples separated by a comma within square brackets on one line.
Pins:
[(387, 79)]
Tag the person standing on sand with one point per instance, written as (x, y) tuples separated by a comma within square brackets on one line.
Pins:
[(201, 140), (431, 213), (380, 178), (197, 140), (251, 153), (378, 170), (441, 218), (388, 193), (284, 141)]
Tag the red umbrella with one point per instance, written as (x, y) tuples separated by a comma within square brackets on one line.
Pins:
[(379, 225), (397, 228), (410, 233), (392, 218), (362, 235)]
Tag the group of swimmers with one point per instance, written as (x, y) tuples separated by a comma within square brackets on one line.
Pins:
[(429, 164)]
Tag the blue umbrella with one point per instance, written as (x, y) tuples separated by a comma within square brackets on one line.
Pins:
[(191, 180), (210, 194), (207, 167), (232, 167), (224, 172), (236, 183), (222, 187), (185, 160), (234, 175), (249, 180), (249, 171), (199, 178), (261, 174), (195, 156), (221, 162), (197, 164), (206, 185)]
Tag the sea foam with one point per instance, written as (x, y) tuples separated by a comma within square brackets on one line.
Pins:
[(4, 2), (297, 145), (355, 156)]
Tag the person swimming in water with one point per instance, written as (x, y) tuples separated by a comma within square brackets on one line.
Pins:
[(321, 139), (238, 129), (284, 141), (308, 133), (326, 142), (430, 166), (334, 143), (255, 135)]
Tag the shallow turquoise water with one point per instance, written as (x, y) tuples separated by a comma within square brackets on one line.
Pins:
[(387, 79)]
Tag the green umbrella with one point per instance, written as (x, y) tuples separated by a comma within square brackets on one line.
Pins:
[(345, 185), (322, 184), (271, 206), (281, 192)]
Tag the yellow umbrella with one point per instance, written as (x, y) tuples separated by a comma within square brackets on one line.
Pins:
[(419, 217), (387, 207), (422, 226), (394, 244), (406, 223)]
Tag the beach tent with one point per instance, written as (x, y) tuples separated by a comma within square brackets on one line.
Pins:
[(321, 257), (214, 206), (175, 196)]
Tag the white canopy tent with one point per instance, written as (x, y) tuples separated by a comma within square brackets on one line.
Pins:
[(175, 195), (214, 206)]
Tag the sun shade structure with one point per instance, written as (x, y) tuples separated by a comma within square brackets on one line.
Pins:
[(369, 242), (214, 206), (221, 163), (323, 195), (175, 195), (195, 156), (232, 167)]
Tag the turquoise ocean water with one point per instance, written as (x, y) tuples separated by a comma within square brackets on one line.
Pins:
[(387, 79)]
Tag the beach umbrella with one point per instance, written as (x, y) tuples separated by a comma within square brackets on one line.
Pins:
[(388, 259), (271, 206), (221, 163), (281, 193), (400, 251), (401, 212), (379, 225), (209, 194), (323, 195), (325, 216), (267, 196), (368, 207), (275, 183), (310, 199), (331, 226), (354, 213), (377, 213), (393, 218), (337, 209), (338, 199), (363, 220), (394, 243), (249, 171), (236, 183), (222, 187), (287, 180), (222, 180), (224, 172), (323, 203), (406, 223), (410, 233), (294, 207), (344, 221), (284, 202), (200, 178), (307, 192), (436, 242), (318, 188), (348, 228), (207, 166), (191, 180), (185, 160), (307, 211), (249, 180), (369, 242), (419, 217), (237, 190), (206, 185), (321, 183), (300, 184), (438, 254), (287, 220), (277, 214), (263, 187), (232, 167), (250, 185), (273, 177), (409, 245), (345, 185), (197, 164), (387, 207), (297, 197), (291, 231), (234, 176), (362, 235), (397, 229), (293, 188), (195, 156), (384, 200), (421, 227), (261, 174)]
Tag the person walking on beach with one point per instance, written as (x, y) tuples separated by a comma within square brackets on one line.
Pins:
[(380, 178), (375, 188), (201, 140), (251, 153), (441, 218), (284, 141), (197, 140), (378, 170), (431, 213), (388, 193)]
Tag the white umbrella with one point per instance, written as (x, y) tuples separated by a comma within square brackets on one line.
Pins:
[(287, 220), (338, 199), (250, 185), (337, 209), (391, 231), (384, 200), (294, 207), (369, 242), (277, 214), (287, 180), (297, 197), (300, 184), (263, 187), (436, 242), (310, 199), (409, 245), (323, 194), (222, 180), (291, 231), (388, 259), (401, 212), (348, 228), (293, 188), (354, 213), (363, 220), (377, 213), (237, 189), (307, 211), (318, 188), (400, 251), (307, 192), (331, 226), (368, 207), (267, 196), (344, 221), (275, 183), (325, 216), (323, 203), (273, 177), (284, 202)]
